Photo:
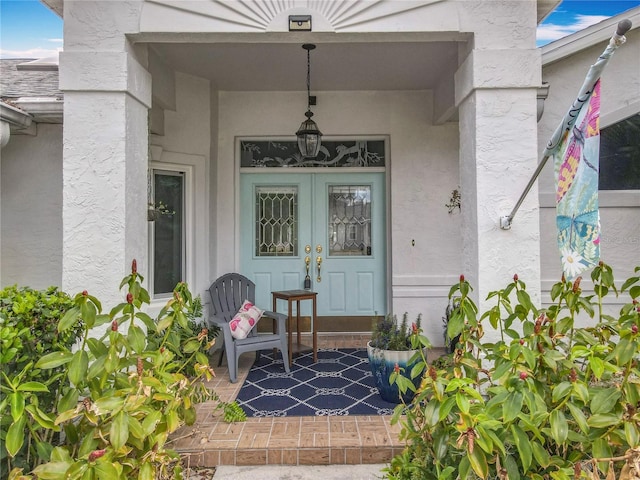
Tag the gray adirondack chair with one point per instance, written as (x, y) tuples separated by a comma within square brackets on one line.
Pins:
[(227, 294)]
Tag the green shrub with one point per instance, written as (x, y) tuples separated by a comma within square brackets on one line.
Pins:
[(28, 330), (548, 400), (193, 331), (121, 395)]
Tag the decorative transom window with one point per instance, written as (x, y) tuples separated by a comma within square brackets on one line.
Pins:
[(285, 153)]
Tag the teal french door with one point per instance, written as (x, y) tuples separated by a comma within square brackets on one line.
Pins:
[(333, 223)]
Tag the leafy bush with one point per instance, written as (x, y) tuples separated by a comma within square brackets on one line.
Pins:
[(28, 329), (122, 395), (548, 400), (181, 337), (449, 343)]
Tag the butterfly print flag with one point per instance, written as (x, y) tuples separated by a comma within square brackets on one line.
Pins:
[(576, 165), (575, 148)]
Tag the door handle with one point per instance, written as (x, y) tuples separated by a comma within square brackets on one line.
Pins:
[(319, 264), (307, 278)]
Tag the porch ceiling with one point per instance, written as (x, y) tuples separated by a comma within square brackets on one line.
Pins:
[(334, 66)]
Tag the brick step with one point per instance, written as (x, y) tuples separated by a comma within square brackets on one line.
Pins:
[(351, 440), (337, 440)]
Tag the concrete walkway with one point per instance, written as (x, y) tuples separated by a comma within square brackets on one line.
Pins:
[(307, 472)]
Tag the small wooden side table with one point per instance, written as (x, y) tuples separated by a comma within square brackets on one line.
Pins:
[(297, 296)]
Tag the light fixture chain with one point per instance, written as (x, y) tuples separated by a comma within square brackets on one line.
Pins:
[(309, 79)]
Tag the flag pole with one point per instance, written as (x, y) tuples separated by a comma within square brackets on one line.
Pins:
[(570, 117)]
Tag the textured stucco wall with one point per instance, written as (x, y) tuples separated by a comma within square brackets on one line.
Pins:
[(32, 209), (496, 95), (423, 171), (619, 210), (496, 162), (187, 128), (105, 191), (510, 22), (107, 93)]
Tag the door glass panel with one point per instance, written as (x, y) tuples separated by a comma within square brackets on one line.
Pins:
[(349, 220), (168, 231), (276, 221)]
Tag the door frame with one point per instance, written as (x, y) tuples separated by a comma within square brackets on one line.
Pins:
[(284, 171)]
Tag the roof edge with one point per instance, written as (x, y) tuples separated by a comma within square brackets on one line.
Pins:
[(42, 109), (546, 8), (14, 116), (57, 6), (40, 64)]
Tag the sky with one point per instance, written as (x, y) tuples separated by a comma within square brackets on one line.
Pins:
[(575, 15), (29, 29)]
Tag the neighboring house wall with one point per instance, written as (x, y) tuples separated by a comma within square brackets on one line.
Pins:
[(619, 210), (32, 208)]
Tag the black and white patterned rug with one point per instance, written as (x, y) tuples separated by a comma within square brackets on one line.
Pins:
[(340, 383)]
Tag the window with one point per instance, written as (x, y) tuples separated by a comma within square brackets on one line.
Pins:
[(333, 154), (276, 222), (620, 155), (349, 230), (168, 231)]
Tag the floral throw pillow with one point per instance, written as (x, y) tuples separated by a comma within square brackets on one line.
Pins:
[(243, 321)]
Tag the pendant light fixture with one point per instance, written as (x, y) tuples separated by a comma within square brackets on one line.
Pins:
[(309, 137)]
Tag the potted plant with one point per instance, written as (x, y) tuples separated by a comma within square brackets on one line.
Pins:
[(155, 210), (395, 348), (547, 399)]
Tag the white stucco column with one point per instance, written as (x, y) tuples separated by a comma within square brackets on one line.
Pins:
[(107, 96), (496, 94)]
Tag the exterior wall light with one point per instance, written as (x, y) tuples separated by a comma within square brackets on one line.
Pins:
[(299, 23)]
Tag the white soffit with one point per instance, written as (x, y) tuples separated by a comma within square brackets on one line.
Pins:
[(334, 66)]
